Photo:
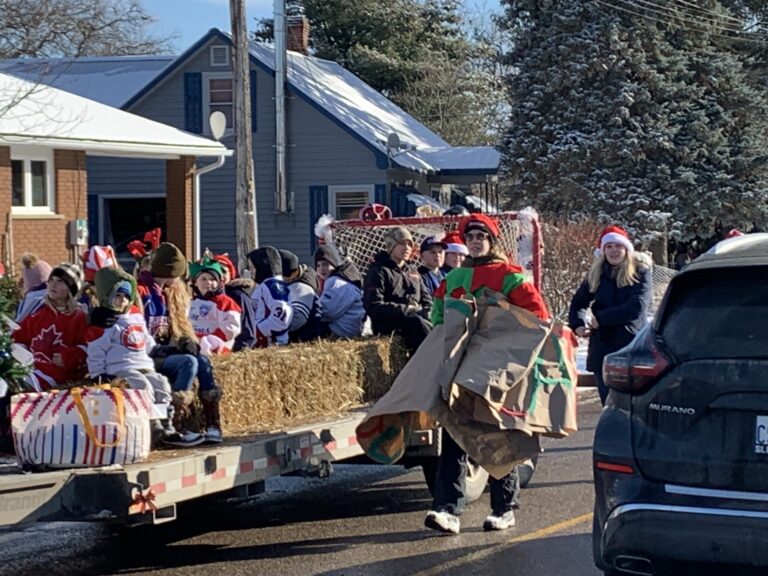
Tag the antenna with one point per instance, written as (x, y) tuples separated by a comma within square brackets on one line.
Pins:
[(393, 142)]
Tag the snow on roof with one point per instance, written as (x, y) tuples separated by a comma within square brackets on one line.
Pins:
[(111, 80), (37, 114), (373, 117)]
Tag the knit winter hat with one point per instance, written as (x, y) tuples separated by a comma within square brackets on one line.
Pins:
[(617, 236), (168, 262), (327, 253), (396, 235), (455, 244), (108, 281), (267, 263), (34, 272), (96, 258), (226, 262), (481, 222), (206, 265), (70, 274), (289, 262)]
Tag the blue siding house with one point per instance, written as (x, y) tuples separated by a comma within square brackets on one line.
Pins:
[(336, 130)]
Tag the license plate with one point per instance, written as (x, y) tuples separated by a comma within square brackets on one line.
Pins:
[(761, 435)]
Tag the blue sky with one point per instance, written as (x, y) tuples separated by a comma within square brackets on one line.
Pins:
[(190, 19)]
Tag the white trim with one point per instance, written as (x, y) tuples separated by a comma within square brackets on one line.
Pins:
[(102, 211), (711, 493), (27, 154), (207, 77), (726, 512), (211, 59), (333, 190)]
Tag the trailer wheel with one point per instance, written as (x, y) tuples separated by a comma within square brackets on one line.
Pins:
[(477, 478)]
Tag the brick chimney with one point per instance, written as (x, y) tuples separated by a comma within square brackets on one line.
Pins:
[(297, 34)]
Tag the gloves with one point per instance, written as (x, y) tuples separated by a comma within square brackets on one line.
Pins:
[(412, 309), (103, 317), (187, 345)]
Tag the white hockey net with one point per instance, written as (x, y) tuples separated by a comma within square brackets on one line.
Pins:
[(520, 238)]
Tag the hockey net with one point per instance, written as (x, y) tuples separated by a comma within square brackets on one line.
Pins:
[(520, 238)]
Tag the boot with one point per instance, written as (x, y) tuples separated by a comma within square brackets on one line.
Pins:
[(177, 436), (212, 420)]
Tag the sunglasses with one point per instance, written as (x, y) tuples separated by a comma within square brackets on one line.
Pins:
[(479, 236)]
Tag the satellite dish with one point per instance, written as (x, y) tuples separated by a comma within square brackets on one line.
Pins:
[(218, 123), (393, 141)]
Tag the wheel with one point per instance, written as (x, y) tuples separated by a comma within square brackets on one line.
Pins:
[(477, 478), (526, 469)]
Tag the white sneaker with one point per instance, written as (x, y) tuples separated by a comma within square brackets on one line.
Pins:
[(506, 520), (443, 522), (213, 435)]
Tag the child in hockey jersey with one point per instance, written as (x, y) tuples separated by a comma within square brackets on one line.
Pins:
[(55, 332), (119, 346), (271, 298), (215, 317)]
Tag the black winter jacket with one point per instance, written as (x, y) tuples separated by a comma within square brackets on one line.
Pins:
[(620, 312), (391, 293)]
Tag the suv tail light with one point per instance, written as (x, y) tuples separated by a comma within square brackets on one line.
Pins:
[(636, 367)]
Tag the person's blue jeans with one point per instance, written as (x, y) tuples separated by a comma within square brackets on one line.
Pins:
[(451, 478), (181, 370)]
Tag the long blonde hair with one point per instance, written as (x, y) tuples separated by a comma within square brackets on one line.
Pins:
[(177, 299), (625, 273)]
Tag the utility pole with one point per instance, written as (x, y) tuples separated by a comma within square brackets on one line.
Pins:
[(245, 187)]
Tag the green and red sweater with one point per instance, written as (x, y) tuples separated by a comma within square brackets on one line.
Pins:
[(495, 275)]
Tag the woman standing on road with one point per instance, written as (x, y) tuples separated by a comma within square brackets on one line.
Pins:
[(617, 291), (485, 268)]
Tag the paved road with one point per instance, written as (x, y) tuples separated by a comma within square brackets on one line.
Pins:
[(367, 520)]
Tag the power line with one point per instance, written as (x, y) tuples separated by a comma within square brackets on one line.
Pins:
[(668, 23), (708, 11)]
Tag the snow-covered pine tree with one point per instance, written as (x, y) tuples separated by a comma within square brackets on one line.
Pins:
[(642, 118)]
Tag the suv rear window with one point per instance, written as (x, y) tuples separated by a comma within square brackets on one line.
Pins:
[(718, 313)]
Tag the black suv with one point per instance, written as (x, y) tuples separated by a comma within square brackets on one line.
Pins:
[(681, 448)]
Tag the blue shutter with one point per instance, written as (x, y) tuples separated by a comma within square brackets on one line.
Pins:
[(380, 193), (193, 102), (318, 205), (93, 219), (253, 100)]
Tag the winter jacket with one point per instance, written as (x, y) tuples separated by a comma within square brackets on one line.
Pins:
[(391, 292), (273, 312), (240, 290), (155, 308), (305, 325), (47, 332), (341, 304), (478, 274), (431, 279), (31, 302), (122, 347), (216, 319), (620, 312)]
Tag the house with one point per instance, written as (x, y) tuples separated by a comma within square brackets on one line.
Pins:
[(47, 137), (337, 129)]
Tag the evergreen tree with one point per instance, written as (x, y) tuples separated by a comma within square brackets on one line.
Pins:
[(11, 370), (647, 122)]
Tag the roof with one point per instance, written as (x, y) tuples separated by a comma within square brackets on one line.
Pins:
[(746, 250), (37, 114), (111, 80), (359, 109)]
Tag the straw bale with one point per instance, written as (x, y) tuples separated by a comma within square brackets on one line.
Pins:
[(266, 389)]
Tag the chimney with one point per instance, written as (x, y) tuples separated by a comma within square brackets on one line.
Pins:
[(298, 34)]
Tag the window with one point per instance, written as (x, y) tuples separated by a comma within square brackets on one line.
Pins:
[(345, 201), (218, 95), (219, 55), (31, 180)]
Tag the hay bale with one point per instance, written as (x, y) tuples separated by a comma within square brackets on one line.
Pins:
[(266, 389)]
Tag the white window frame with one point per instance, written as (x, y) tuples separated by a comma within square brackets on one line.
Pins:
[(207, 77), (212, 60), (28, 154), (334, 190)]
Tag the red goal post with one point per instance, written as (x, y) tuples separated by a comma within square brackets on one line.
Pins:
[(520, 239)]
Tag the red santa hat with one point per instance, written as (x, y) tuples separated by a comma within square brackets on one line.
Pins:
[(481, 222), (225, 261), (617, 236), (455, 244), (96, 258)]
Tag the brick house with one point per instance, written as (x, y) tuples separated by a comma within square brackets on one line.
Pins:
[(46, 138)]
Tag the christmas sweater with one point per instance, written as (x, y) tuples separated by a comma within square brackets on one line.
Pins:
[(122, 347), (47, 332), (216, 320), (273, 312), (494, 275)]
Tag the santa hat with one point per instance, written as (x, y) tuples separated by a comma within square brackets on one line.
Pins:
[(96, 258), (226, 262), (617, 236), (455, 244)]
